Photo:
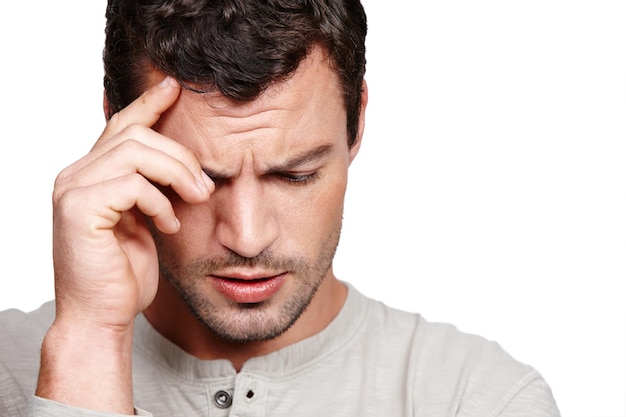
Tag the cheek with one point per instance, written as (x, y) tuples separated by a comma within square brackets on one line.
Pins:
[(197, 222), (194, 238), (319, 214), (304, 217)]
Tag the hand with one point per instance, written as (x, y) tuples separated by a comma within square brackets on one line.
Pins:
[(105, 260)]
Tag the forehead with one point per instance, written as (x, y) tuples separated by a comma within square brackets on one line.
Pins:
[(304, 111)]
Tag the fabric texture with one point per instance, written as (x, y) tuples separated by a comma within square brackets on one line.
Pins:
[(372, 360)]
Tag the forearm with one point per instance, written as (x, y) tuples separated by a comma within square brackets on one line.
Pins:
[(87, 368)]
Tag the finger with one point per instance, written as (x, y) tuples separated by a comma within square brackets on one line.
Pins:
[(145, 110), (158, 166), (145, 136), (100, 206)]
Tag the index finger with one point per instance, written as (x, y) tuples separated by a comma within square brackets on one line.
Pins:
[(146, 109)]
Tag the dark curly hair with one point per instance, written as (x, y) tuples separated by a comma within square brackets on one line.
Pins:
[(239, 47)]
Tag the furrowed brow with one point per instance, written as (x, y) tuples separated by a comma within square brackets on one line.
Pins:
[(311, 155), (306, 157)]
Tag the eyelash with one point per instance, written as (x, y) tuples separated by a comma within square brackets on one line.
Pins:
[(297, 179), (293, 179)]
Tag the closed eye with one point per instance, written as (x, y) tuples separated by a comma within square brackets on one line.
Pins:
[(298, 179)]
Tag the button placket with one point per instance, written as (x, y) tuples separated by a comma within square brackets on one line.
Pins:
[(220, 396), (250, 396), (223, 399)]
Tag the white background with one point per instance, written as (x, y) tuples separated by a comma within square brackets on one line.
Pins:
[(490, 191)]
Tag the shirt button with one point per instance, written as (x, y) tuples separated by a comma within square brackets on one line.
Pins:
[(223, 399)]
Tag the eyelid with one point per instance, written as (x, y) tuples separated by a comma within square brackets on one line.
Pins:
[(292, 177), (299, 178)]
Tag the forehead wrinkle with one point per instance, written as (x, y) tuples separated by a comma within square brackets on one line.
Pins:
[(218, 116), (280, 130)]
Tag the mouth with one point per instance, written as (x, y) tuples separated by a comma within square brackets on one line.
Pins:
[(248, 289)]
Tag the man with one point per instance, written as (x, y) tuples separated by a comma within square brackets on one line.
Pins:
[(193, 245)]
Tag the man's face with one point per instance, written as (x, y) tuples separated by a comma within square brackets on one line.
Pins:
[(248, 262)]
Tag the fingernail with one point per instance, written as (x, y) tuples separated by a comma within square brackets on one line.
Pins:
[(165, 82), (204, 182), (168, 82)]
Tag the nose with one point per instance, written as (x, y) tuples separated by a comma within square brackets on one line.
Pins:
[(245, 220)]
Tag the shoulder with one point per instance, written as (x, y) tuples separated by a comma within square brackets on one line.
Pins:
[(19, 327), (472, 375), (437, 348), (21, 333), (478, 375)]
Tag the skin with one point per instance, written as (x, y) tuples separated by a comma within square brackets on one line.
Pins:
[(264, 203), (150, 163)]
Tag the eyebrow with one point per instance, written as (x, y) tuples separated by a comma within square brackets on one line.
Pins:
[(311, 155), (296, 161)]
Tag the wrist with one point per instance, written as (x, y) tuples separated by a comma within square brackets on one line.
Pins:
[(87, 367)]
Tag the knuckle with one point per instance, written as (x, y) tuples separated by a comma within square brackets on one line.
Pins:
[(113, 122), (132, 131), (134, 134), (60, 185), (135, 181), (134, 184), (188, 156), (68, 202)]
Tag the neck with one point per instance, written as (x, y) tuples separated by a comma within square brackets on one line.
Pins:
[(169, 315)]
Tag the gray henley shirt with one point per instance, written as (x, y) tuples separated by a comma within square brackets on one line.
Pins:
[(372, 360)]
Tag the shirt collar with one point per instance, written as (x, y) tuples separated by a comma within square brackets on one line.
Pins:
[(290, 359)]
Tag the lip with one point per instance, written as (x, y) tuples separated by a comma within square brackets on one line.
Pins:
[(248, 289)]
